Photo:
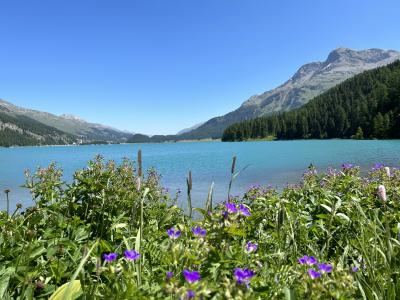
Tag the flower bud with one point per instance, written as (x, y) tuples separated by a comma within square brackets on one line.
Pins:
[(382, 193), (387, 169)]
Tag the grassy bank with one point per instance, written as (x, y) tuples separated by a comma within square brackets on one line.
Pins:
[(114, 233)]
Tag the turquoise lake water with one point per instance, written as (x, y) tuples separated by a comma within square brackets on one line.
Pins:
[(270, 163)]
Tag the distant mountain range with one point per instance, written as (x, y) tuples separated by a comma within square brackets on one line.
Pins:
[(309, 81), (22, 126), (366, 105)]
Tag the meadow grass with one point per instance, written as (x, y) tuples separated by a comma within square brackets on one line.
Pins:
[(115, 233)]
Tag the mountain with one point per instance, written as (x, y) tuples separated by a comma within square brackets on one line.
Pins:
[(190, 128), (20, 130), (364, 106), (68, 124), (309, 81)]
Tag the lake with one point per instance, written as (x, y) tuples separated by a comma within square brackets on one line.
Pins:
[(269, 163)]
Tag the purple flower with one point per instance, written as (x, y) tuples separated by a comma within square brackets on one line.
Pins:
[(231, 208), (110, 257), (314, 274), (191, 276), (198, 231), (173, 233), (244, 210), (190, 294), (250, 247), (131, 255), (169, 275), (302, 260), (354, 269), (377, 166), (325, 268), (243, 275), (307, 260), (347, 166)]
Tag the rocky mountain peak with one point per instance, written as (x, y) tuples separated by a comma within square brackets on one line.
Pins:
[(309, 81)]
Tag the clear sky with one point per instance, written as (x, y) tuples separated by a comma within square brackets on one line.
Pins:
[(157, 67)]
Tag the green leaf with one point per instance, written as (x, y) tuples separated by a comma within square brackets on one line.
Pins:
[(326, 207), (4, 280), (37, 252), (290, 294), (68, 291), (343, 216)]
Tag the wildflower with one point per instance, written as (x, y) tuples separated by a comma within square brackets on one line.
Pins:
[(190, 294), (382, 193), (198, 231), (191, 276), (131, 255), (231, 208), (250, 247), (169, 275), (244, 210), (243, 275), (354, 269), (347, 166), (110, 257), (40, 285), (377, 166), (325, 268), (307, 260), (314, 274), (173, 233), (387, 170)]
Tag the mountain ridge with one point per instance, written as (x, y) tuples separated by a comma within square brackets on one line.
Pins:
[(309, 81), (69, 124)]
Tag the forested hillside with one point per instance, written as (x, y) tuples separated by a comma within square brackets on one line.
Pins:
[(364, 106), (24, 131), (310, 80)]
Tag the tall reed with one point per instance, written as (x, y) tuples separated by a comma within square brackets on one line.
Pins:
[(189, 193), (7, 191)]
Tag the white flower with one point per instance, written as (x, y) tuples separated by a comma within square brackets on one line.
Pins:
[(387, 169), (382, 192)]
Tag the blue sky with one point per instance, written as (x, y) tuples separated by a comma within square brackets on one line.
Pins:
[(159, 66)]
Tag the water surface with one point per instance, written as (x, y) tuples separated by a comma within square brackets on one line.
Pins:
[(270, 163)]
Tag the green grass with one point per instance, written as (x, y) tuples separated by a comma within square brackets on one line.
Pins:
[(57, 246)]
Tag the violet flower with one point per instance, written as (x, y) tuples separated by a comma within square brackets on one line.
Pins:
[(325, 268), (244, 210), (243, 276), (314, 274), (307, 260), (251, 247), (347, 166), (173, 233), (231, 208), (354, 269), (110, 257), (169, 275), (131, 255), (190, 294), (377, 166), (198, 231), (191, 276)]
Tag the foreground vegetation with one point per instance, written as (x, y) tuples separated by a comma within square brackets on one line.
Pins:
[(114, 233), (364, 106)]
